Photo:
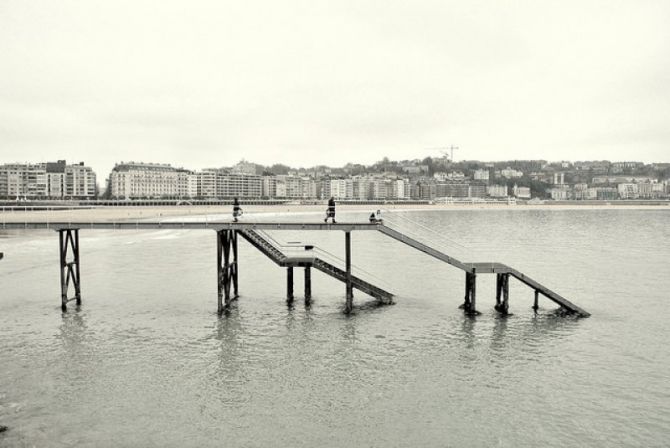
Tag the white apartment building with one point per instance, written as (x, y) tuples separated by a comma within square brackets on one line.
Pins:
[(628, 191), (401, 189), (206, 183), (80, 181), (269, 187), (52, 180), (497, 191), (521, 192), (230, 185), (342, 188), (147, 180), (294, 187), (509, 173)]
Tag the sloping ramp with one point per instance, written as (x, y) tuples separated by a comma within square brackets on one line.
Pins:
[(273, 253), (484, 268), (418, 245), (361, 285)]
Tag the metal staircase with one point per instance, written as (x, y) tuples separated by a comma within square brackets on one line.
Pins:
[(485, 268), (264, 245)]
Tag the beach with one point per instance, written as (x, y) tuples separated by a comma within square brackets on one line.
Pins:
[(224, 212)]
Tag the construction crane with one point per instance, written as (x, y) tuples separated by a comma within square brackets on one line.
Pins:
[(446, 151)]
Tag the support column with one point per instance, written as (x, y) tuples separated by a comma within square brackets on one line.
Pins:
[(220, 273), (289, 285), (226, 242), (308, 285), (349, 288), (473, 293), (504, 307), (234, 264), (470, 300), (498, 290), (535, 303), (69, 270)]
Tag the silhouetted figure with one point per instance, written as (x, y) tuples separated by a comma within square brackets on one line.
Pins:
[(330, 213), (237, 210), (375, 218)]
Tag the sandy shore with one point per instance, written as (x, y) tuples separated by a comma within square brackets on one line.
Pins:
[(224, 212)]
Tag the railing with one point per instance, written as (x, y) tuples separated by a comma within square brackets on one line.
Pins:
[(324, 255), (397, 220)]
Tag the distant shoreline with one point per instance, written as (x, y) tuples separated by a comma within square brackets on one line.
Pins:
[(223, 212)]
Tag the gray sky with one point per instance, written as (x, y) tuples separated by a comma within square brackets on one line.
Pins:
[(207, 83)]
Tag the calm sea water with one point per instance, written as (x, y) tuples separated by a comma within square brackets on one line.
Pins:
[(147, 362)]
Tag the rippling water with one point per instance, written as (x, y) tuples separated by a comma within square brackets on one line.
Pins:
[(147, 362)]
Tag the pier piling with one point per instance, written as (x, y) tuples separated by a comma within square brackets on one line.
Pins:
[(226, 243), (470, 300), (349, 287), (69, 270), (289, 285), (308, 285), (502, 293)]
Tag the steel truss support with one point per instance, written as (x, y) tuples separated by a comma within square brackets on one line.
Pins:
[(502, 293), (69, 269), (226, 268)]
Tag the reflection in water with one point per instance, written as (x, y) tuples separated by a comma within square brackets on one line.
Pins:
[(499, 335)]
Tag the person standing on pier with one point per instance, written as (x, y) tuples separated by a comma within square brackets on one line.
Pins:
[(237, 210), (330, 213)]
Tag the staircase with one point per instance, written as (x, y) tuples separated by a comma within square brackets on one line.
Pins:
[(267, 248), (276, 255), (483, 268), (361, 285)]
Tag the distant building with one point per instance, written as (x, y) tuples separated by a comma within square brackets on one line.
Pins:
[(628, 191), (560, 193), (581, 191), (401, 189), (481, 175), (51, 180), (415, 169), (147, 180), (341, 189), (497, 191), (451, 176), (559, 178), (521, 192), (477, 190), (244, 167), (293, 187), (152, 180), (509, 173), (452, 190)]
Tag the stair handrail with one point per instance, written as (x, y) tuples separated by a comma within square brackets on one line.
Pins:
[(445, 243), (355, 269)]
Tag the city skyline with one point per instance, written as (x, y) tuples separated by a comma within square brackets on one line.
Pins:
[(323, 83), (389, 180)]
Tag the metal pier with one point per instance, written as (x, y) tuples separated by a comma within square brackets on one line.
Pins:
[(227, 260)]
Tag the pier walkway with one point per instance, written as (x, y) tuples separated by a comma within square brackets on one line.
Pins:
[(254, 233)]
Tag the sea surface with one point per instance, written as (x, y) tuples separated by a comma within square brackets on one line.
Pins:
[(146, 361)]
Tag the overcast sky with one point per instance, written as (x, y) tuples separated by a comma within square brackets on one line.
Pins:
[(207, 83)]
